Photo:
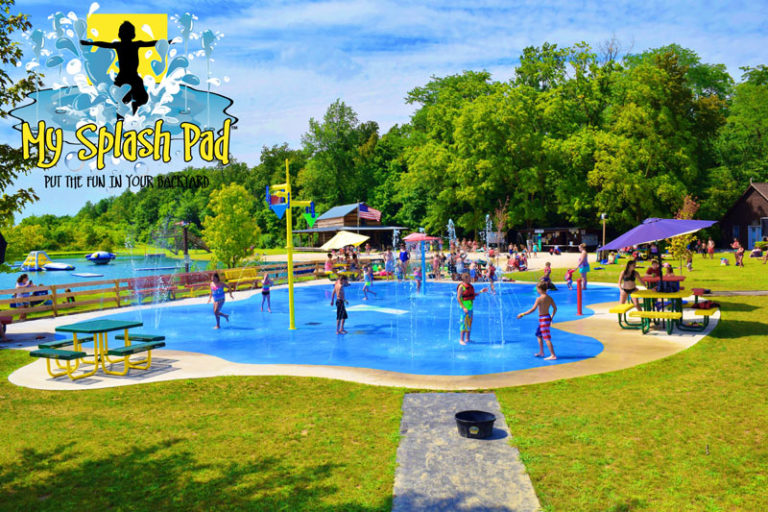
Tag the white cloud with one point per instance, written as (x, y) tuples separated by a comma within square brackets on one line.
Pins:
[(288, 60)]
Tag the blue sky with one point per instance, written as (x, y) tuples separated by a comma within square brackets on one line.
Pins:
[(287, 61)]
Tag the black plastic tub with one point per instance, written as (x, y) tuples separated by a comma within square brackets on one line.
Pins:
[(475, 424)]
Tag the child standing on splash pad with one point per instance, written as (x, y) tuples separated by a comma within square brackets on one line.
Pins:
[(465, 295), (341, 310), (368, 278), (265, 286), (543, 303), (217, 294)]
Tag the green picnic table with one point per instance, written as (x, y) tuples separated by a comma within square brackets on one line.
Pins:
[(99, 331)]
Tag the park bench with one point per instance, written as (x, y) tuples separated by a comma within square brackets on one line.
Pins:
[(646, 316), (235, 277), (621, 310)]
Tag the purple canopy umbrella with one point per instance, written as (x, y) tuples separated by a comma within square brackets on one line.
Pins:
[(653, 230)]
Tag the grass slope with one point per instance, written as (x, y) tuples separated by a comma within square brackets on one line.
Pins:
[(263, 444), (683, 433)]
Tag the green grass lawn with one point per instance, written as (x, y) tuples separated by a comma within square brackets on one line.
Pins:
[(684, 433), (265, 444)]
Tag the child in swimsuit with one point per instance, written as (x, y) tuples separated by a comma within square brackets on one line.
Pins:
[(417, 277), (340, 302), (368, 277), (547, 277), (569, 277), (543, 303), (217, 294), (465, 295), (265, 286)]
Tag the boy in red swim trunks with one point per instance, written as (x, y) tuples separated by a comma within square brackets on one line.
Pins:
[(543, 302)]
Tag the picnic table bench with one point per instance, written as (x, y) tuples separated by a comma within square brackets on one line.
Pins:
[(621, 310), (669, 318)]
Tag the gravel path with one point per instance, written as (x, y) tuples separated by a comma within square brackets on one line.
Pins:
[(440, 470)]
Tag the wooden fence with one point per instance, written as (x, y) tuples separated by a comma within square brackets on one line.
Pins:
[(65, 299)]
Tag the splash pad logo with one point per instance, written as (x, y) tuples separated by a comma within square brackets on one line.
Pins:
[(124, 90)]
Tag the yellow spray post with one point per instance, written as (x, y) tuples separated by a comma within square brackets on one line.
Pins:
[(285, 202)]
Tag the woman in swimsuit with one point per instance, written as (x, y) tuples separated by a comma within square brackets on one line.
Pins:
[(627, 283)]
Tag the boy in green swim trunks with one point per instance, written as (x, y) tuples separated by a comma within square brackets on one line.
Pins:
[(368, 276), (465, 295)]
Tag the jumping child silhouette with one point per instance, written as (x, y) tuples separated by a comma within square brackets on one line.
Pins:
[(128, 62)]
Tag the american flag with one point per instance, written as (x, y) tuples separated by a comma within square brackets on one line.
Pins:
[(366, 212)]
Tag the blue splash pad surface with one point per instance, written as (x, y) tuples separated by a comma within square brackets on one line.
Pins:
[(396, 330)]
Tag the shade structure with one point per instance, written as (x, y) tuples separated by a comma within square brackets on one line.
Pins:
[(419, 237), (653, 230), (343, 239)]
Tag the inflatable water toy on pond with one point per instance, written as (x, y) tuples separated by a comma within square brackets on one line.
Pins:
[(38, 261), (100, 257), (86, 274)]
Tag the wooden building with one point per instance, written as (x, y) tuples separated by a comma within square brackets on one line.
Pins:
[(747, 220), (347, 218)]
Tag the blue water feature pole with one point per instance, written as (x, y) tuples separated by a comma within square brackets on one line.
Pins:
[(423, 269)]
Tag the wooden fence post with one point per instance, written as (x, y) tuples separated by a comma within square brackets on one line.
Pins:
[(53, 293), (117, 291)]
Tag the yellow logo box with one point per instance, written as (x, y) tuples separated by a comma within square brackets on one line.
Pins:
[(149, 27)]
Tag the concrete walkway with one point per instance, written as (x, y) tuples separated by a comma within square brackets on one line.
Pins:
[(440, 470)]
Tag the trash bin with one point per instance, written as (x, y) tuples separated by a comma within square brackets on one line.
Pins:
[(475, 424)]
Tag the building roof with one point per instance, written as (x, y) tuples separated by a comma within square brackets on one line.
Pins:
[(762, 188), (350, 228), (338, 211)]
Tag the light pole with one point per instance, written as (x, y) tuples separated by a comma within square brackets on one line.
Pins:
[(602, 217)]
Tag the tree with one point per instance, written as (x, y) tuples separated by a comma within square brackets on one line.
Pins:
[(678, 246), (338, 149), (12, 162), (230, 231)]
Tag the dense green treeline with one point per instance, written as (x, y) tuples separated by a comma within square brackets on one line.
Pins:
[(573, 134)]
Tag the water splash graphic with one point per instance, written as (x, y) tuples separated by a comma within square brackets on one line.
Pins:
[(84, 91)]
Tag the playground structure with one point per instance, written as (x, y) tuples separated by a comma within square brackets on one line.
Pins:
[(100, 257), (38, 261), (279, 200)]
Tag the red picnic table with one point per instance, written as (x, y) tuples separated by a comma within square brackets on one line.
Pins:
[(650, 279)]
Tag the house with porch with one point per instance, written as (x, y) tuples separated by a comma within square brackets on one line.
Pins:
[(355, 217)]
